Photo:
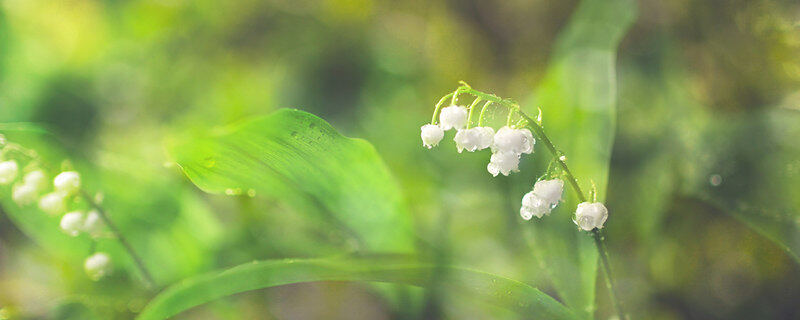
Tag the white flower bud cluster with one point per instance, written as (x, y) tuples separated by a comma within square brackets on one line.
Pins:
[(32, 187), (507, 144)]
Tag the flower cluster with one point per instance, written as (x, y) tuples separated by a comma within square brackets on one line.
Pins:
[(508, 144), (31, 185)]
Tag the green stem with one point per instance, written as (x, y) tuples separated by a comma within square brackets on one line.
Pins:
[(483, 110), (561, 160), (148, 279), (471, 111), (439, 107)]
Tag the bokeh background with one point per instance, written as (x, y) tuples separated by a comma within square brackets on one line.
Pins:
[(703, 176)]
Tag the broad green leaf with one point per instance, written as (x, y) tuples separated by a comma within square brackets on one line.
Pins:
[(495, 290), (578, 99), (23, 126), (299, 158)]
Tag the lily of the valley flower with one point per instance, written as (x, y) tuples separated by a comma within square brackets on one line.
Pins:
[(23, 193), (93, 224), (52, 203), (431, 135), (453, 117), (503, 162), (8, 171), (590, 215), (72, 223), (545, 196), (68, 182), (517, 141), (473, 139), (97, 265)]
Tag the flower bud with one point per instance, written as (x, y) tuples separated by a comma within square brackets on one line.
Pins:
[(97, 265), (591, 215), (453, 117), (72, 223), (67, 182), (517, 141), (52, 203), (36, 179), (23, 194), (93, 224), (431, 135), (533, 205), (549, 190), (8, 171), (503, 162)]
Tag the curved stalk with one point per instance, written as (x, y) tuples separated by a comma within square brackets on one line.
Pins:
[(537, 129), (148, 279)]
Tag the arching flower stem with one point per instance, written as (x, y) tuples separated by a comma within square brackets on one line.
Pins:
[(471, 111), (561, 159)]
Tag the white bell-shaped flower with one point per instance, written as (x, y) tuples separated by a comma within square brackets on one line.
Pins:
[(453, 117), (67, 182), (97, 266), (36, 179), (52, 203), (518, 141), (590, 215), (431, 135), (24, 194), (503, 162), (533, 205), (8, 171), (549, 190), (545, 196), (473, 139), (93, 224), (72, 223)]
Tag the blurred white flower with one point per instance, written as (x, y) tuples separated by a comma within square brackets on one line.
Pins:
[(453, 117), (72, 223), (8, 171), (503, 162), (517, 141), (67, 182), (93, 224), (485, 137), (591, 215), (23, 194), (36, 179), (545, 196), (97, 265), (431, 135), (52, 203)]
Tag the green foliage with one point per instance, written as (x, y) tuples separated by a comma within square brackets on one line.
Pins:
[(495, 290), (296, 157)]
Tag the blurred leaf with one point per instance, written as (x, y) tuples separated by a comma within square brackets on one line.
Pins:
[(23, 126), (747, 165), (299, 158), (495, 290), (578, 97)]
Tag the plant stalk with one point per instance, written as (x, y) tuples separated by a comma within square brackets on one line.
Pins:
[(148, 279)]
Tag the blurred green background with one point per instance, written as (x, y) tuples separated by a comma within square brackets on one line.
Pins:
[(702, 100)]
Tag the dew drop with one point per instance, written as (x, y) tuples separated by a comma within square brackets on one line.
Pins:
[(715, 180), (562, 158), (312, 125), (294, 134), (251, 193)]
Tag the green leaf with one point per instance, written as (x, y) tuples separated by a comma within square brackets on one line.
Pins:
[(578, 99), (495, 290), (299, 158), (23, 126)]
